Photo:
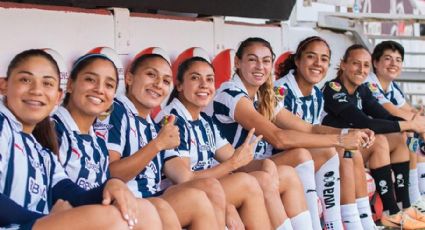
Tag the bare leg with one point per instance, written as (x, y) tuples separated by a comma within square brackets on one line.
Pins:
[(87, 217), (243, 191), (166, 213), (192, 206), (215, 193)]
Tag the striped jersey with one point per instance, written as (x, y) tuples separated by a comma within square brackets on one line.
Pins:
[(200, 137), (224, 105), (126, 132), (27, 170), (309, 108), (84, 157), (392, 95)]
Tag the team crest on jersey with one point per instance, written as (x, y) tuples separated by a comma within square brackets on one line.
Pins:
[(335, 86), (373, 87), (280, 92)]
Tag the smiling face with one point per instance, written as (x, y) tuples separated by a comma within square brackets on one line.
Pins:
[(313, 63), (356, 68), (389, 65), (149, 85), (255, 65), (197, 89), (32, 91), (93, 90)]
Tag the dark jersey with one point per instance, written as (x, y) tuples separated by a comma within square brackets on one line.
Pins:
[(357, 110)]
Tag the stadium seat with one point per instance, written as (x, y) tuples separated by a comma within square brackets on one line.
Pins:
[(280, 60), (188, 53), (113, 55), (224, 66), (164, 54)]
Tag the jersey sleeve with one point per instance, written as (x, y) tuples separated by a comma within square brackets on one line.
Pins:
[(57, 169), (220, 140), (376, 93), (225, 102), (373, 108), (116, 126), (6, 143), (62, 141), (335, 99), (398, 95), (13, 213)]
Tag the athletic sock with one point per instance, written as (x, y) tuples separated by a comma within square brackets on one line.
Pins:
[(306, 173), (414, 194), (401, 174), (286, 225), (328, 190), (365, 213), (384, 186), (421, 176), (302, 221), (350, 217)]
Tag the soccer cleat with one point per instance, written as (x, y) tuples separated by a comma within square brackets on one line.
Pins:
[(401, 220)]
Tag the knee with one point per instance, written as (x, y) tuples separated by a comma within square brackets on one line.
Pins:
[(380, 146), (328, 153), (149, 213), (288, 175), (301, 155), (197, 199), (213, 189), (112, 216), (266, 182), (160, 205), (249, 184)]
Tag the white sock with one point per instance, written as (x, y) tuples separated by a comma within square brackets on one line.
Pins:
[(421, 176), (286, 225), (350, 217), (414, 193), (363, 206), (328, 190), (306, 173), (302, 221)]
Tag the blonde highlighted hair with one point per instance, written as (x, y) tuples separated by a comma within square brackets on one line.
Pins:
[(266, 96)]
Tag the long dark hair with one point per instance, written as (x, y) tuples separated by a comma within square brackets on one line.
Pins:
[(347, 55), (266, 98), (43, 131), (183, 68), (82, 63), (289, 63)]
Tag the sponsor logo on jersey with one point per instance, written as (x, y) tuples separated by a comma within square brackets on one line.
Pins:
[(36, 165), (37, 189), (92, 166), (373, 87), (328, 192), (280, 92), (335, 86), (339, 95)]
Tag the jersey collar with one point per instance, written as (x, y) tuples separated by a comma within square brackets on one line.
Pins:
[(181, 109), (129, 106), (69, 122), (238, 82), (289, 79), (374, 79)]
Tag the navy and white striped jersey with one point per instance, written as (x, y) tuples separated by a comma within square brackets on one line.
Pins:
[(27, 170), (393, 95), (309, 108), (224, 105), (126, 134), (84, 157), (200, 137)]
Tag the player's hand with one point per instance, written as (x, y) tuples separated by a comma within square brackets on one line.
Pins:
[(169, 135), (245, 153)]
